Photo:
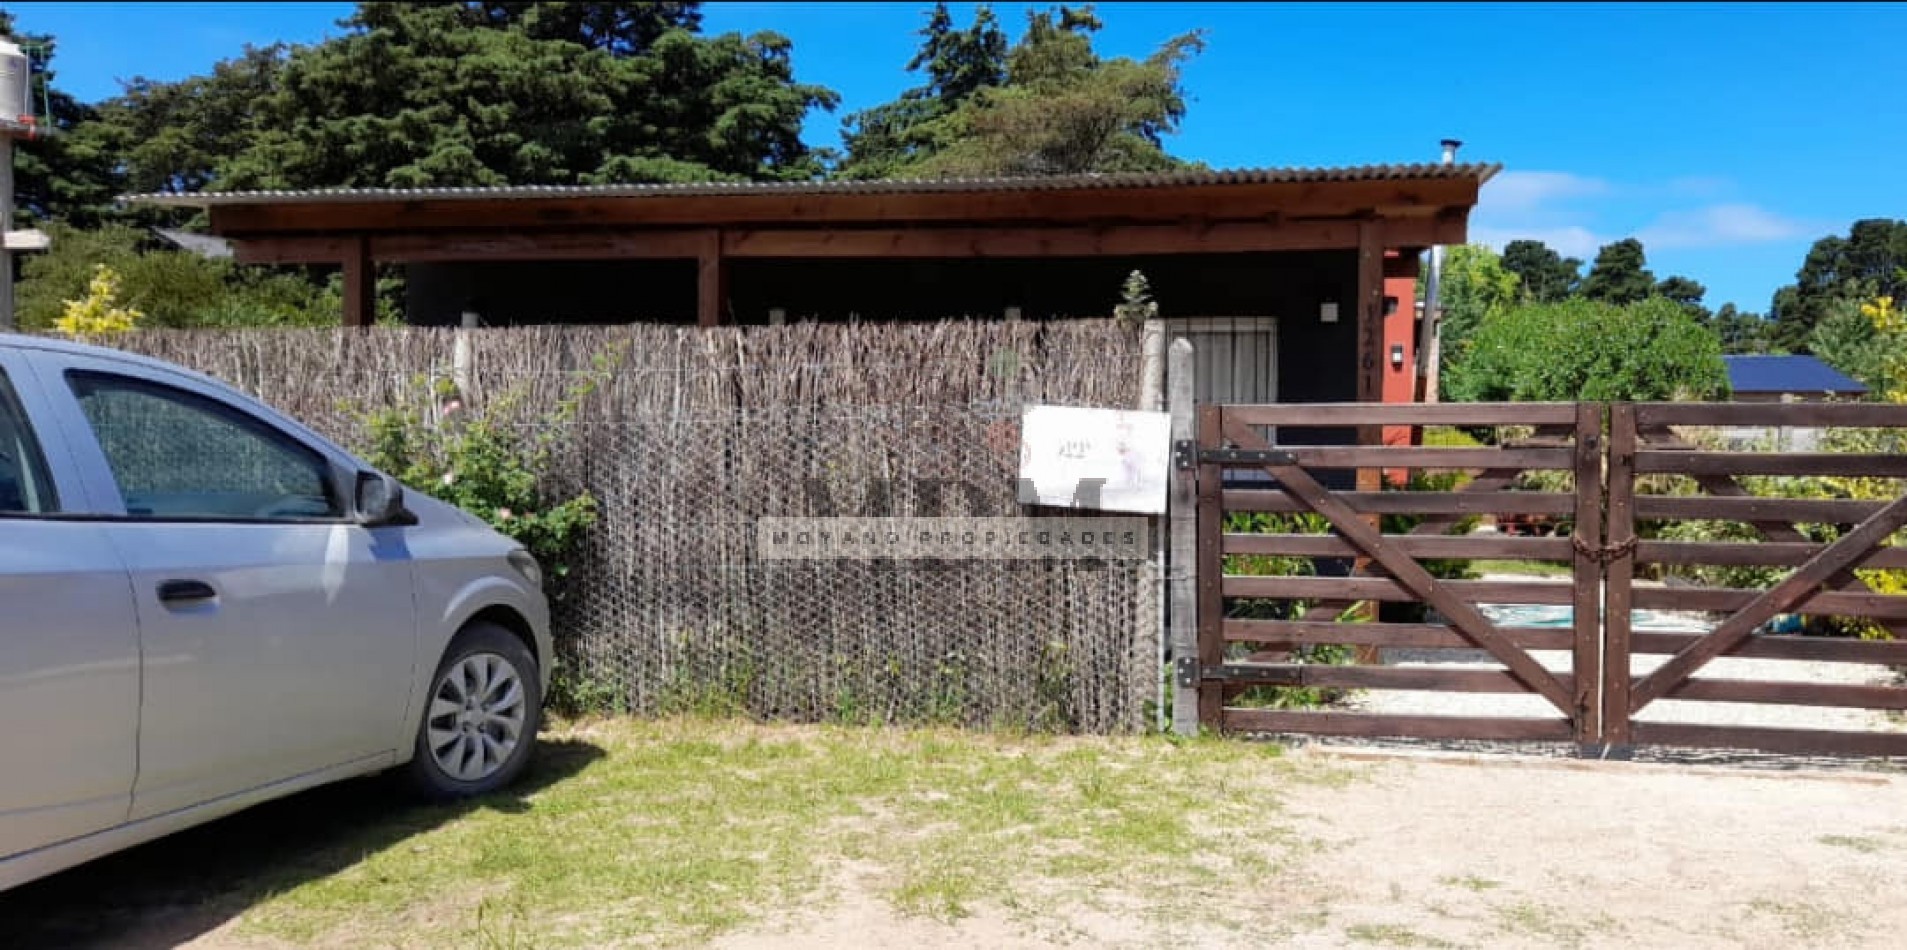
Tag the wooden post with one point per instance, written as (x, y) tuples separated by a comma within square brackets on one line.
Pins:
[(1586, 661), (1183, 565), (1370, 374), (1211, 570), (711, 280), (360, 284), (1617, 580)]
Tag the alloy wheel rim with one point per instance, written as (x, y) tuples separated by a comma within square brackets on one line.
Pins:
[(476, 717)]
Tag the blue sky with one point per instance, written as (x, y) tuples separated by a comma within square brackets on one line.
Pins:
[(1727, 137)]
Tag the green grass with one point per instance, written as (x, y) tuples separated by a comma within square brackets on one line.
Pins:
[(678, 830)]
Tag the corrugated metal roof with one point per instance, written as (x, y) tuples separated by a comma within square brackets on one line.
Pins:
[(1787, 374), (1241, 176)]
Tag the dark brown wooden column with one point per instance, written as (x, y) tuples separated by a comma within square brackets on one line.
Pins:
[(360, 283), (711, 280), (1370, 333)]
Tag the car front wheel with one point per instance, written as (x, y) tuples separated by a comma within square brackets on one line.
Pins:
[(480, 718)]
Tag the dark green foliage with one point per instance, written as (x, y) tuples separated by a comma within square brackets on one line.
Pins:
[(1546, 276), (528, 93), (1590, 350), (1058, 108), (1685, 292), (1476, 288), (172, 288), (1741, 332), (1620, 274), (884, 140), (1846, 339), (1870, 262)]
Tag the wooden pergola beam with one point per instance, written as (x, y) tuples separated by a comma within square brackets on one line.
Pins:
[(824, 243), (1242, 202), (360, 284)]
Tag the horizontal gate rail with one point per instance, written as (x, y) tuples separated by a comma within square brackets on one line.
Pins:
[(1819, 578)]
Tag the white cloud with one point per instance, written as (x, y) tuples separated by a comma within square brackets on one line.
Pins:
[(1567, 240), (1517, 192), (1718, 225)]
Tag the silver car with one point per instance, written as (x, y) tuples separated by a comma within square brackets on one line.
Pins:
[(205, 605)]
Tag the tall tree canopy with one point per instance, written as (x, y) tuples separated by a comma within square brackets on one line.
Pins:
[(1058, 108), (481, 93), (1870, 262), (1545, 275), (1620, 274), (1476, 287), (1741, 332), (886, 139)]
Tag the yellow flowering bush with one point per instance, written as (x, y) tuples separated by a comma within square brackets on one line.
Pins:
[(99, 313)]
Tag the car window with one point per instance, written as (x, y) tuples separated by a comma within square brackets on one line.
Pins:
[(25, 486), (176, 454)]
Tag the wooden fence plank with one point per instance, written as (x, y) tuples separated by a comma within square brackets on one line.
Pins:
[(1411, 502), (1418, 727), (1586, 606), (1308, 415), (1366, 677), (1722, 599), (1854, 695), (1773, 463), (1347, 456), (1495, 547), (1392, 589), (1410, 635), (1790, 741), (1784, 647), (1791, 510), (1619, 576), (1750, 553), (1771, 415), (1211, 569)]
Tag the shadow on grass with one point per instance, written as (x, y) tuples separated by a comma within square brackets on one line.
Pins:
[(172, 890)]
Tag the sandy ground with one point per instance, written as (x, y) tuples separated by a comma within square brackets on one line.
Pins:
[(1431, 850), (1441, 851)]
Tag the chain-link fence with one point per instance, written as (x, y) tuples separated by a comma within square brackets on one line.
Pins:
[(694, 435)]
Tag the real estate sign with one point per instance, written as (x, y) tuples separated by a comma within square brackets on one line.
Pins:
[(1104, 459)]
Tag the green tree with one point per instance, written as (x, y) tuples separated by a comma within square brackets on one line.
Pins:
[(1058, 108), (1620, 274), (1685, 292), (1871, 261), (1475, 288), (174, 136), (475, 93), (1546, 276), (1590, 350), (1848, 340), (1741, 332), (69, 175), (957, 64)]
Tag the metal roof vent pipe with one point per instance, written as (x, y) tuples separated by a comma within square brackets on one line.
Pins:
[(1429, 348)]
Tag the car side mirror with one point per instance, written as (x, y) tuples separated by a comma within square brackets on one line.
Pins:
[(380, 500)]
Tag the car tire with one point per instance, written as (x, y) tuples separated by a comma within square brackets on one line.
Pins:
[(480, 716)]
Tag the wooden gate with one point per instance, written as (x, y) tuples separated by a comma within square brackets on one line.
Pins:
[(1344, 568), (1806, 549), (1312, 556)]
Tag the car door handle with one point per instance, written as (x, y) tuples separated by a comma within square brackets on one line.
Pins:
[(180, 592)]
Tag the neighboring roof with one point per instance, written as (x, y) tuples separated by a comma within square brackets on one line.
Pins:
[(1787, 374), (1479, 173), (204, 245)]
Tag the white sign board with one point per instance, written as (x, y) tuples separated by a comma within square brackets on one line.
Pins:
[(1106, 459)]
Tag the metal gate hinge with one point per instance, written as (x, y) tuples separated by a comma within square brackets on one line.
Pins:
[(1185, 455), (1185, 672)]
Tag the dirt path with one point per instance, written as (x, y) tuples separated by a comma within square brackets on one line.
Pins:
[(1445, 851)]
